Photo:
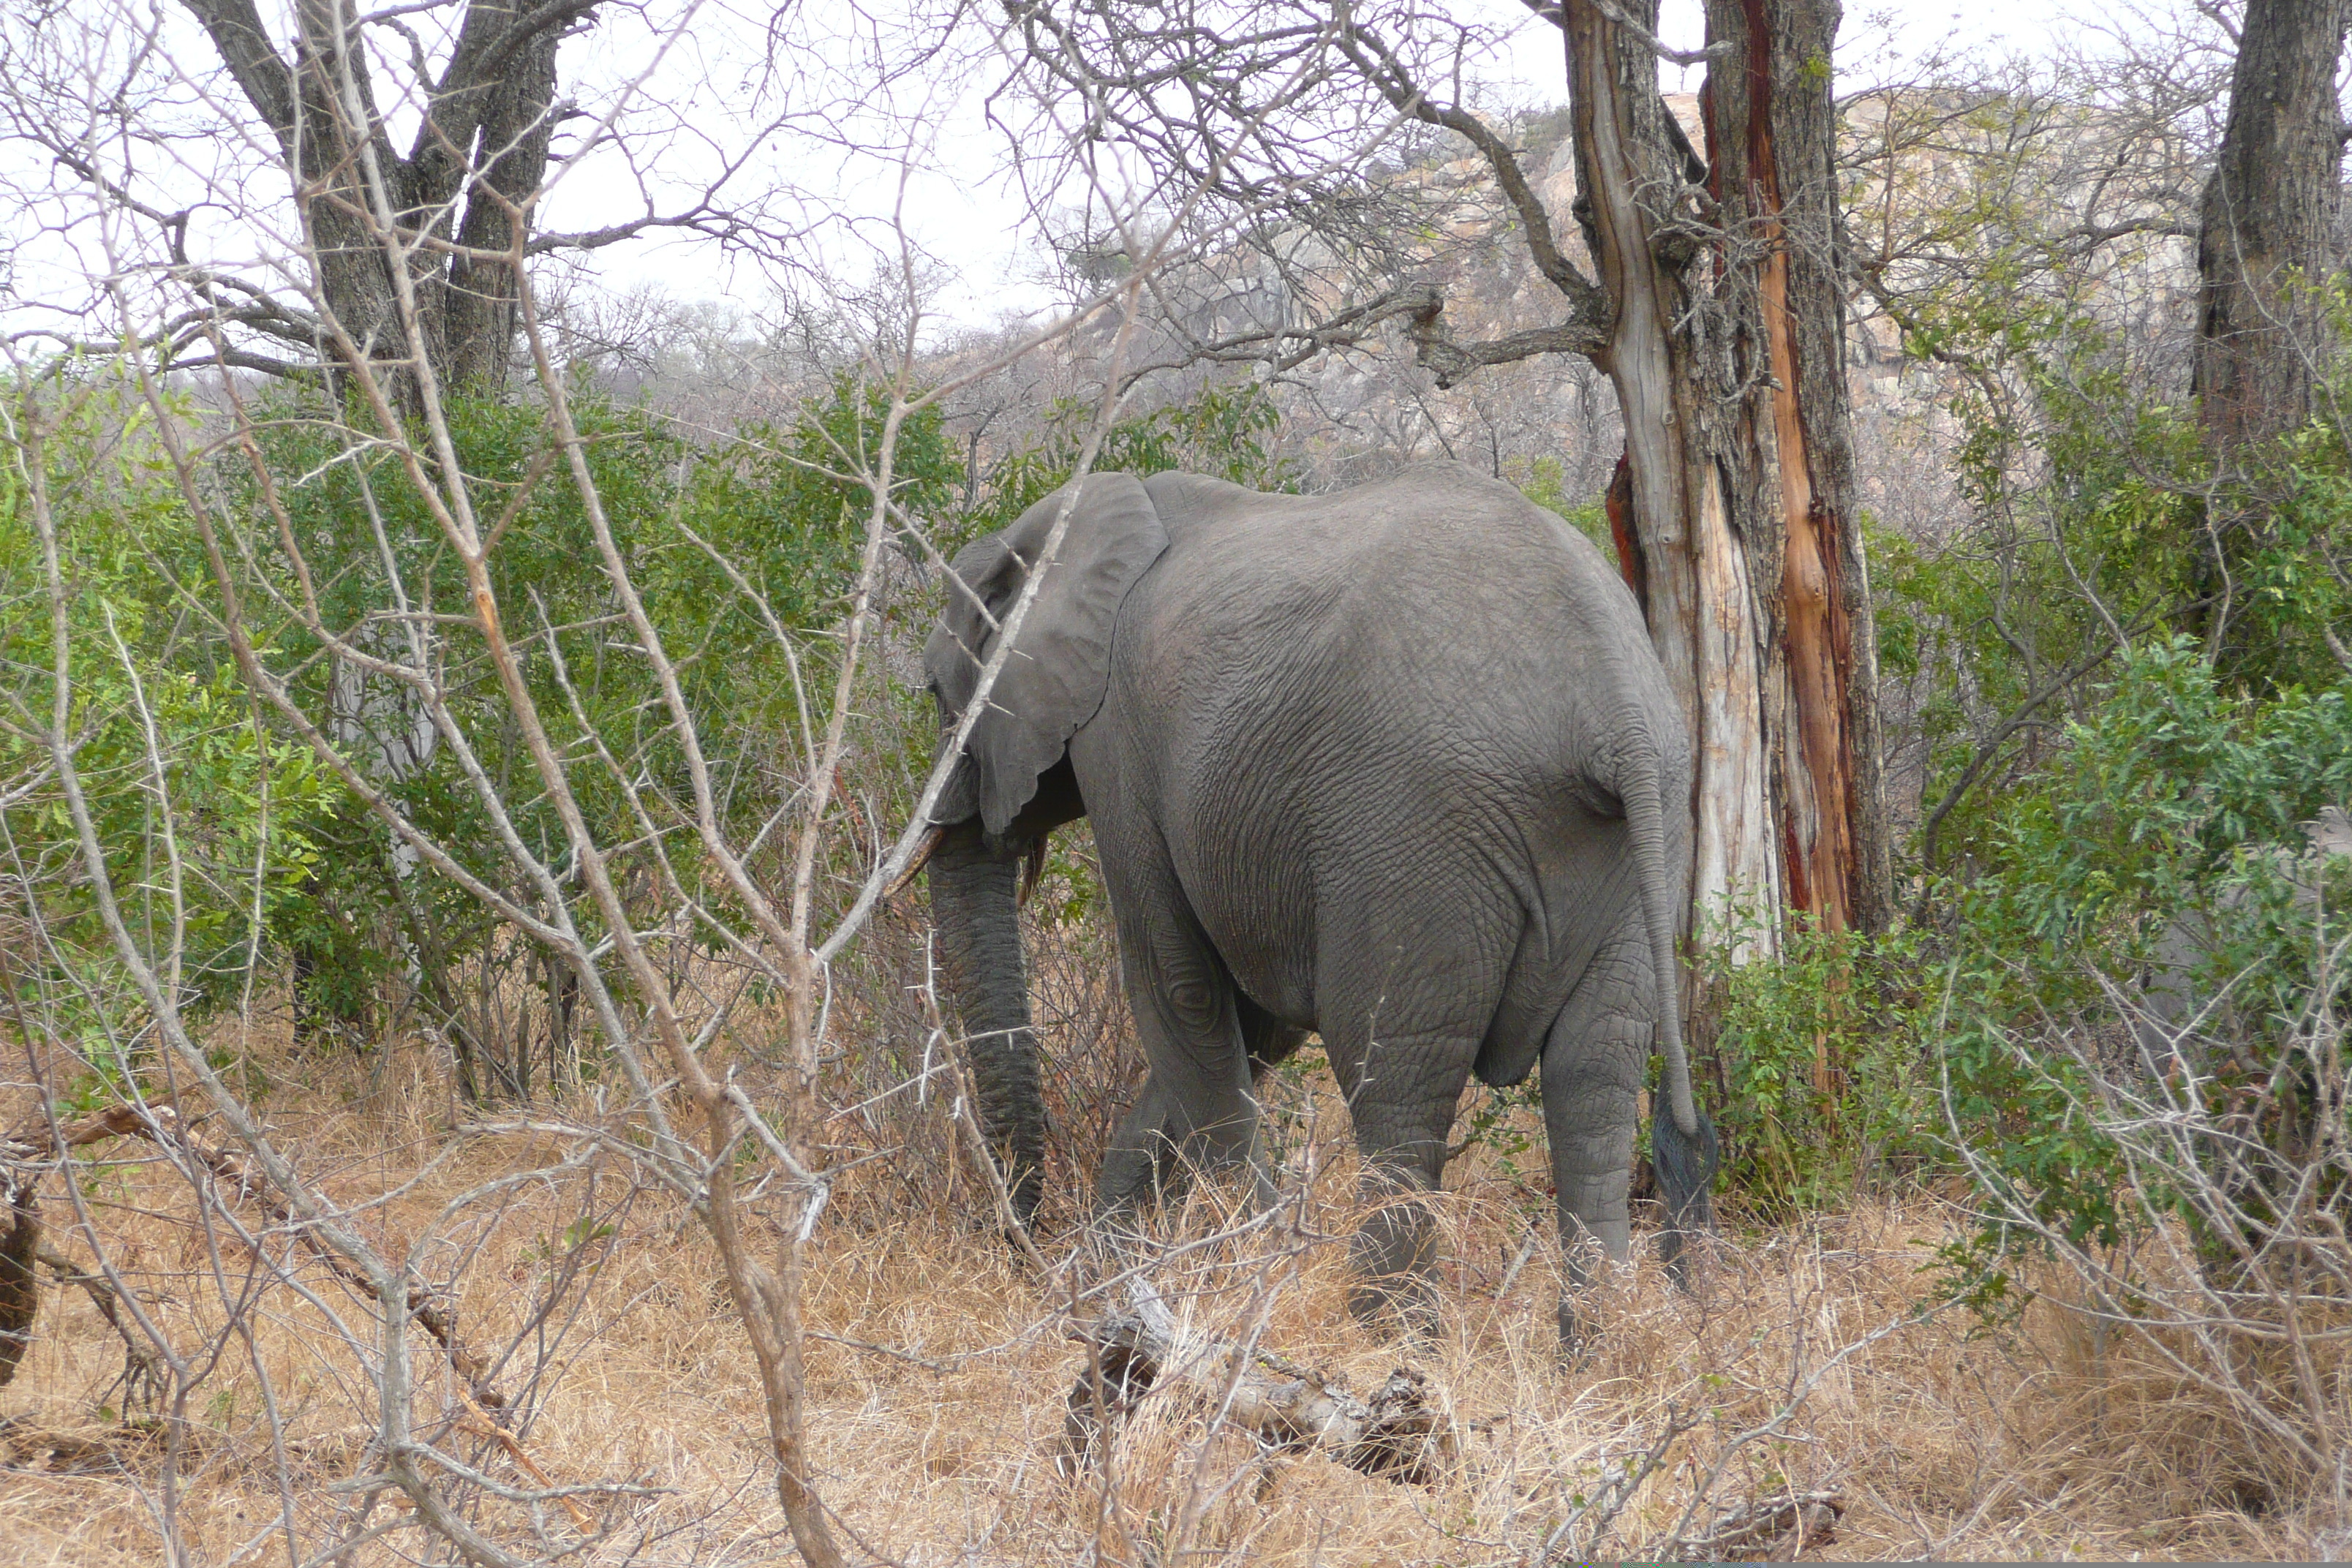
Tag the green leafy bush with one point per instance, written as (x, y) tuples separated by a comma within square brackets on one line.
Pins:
[(1820, 1058), (740, 552), (2164, 836), (207, 821), (1544, 481)]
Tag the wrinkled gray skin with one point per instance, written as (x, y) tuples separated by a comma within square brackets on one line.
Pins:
[(1397, 765)]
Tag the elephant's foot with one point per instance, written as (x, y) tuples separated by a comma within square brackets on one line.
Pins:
[(1587, 1260), (1579, 1331), (1393, 1260)]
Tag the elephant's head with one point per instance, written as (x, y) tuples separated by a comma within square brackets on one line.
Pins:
[(1013, 783)]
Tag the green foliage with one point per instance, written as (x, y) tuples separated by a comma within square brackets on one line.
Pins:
[(2168, 820), (203, 816), (1544, 481), (1820, 1052), (785, 509), (229, 843), (2123, 667), (2020, 608), (2098, 510), (2288, 585), (1224, 432)]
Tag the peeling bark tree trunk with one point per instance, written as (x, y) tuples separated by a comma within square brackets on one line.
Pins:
[(1772, 144), (1634, 176), (2269, 211), (1734, 507)]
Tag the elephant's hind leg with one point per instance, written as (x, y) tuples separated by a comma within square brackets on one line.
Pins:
[(1401, 1090), (1593, 1065)]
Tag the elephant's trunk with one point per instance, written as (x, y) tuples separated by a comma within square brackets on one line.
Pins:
[(973, 905)]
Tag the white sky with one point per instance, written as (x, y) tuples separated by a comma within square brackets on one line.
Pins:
[(949, 186), (961, 209)]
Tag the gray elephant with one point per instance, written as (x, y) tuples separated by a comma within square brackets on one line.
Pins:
[(1397, 765)]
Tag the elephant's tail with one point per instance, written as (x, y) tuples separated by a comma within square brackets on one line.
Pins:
[(1645, 817), (1682, 1140)]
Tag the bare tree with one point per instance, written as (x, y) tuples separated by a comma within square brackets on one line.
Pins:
[(415, 146)]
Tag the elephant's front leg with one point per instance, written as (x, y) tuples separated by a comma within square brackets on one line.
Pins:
[(1594, 1061), (1198, 1104)]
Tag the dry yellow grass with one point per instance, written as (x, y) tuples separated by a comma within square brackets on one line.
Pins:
[(2038, 1444)]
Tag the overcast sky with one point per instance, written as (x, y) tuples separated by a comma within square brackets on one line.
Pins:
[(962, 209), (950, 187)]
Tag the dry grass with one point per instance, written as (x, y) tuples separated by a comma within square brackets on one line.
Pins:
[(2041, 1443)]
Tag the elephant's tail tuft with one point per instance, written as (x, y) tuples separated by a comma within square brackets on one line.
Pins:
[(1686, 1166)]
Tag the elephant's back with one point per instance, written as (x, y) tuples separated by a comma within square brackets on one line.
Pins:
[(1434, 605), (1331, 704)]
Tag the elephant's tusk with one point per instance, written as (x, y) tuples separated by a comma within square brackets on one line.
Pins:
[(1033, 867), (923, 848)]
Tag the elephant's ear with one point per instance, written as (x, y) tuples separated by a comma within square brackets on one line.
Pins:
[(1060, 665)]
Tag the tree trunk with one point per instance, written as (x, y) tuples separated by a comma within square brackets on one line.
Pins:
[(1634, 179), (1734, 508), (2269, 212), (2265, 246), (1772, 124), (455, 200)]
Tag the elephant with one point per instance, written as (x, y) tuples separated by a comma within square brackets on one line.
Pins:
[(1396, 765)]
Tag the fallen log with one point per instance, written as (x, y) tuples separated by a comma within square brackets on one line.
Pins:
[(1398, 1435), (1770, 1530)]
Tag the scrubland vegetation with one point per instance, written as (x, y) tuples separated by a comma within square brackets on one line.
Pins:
[(937, 1374), (478, 1086)]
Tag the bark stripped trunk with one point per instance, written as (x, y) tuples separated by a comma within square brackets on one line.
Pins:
[(1634, 178), (2269, 211), (1735, 506), (1771, 129)]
